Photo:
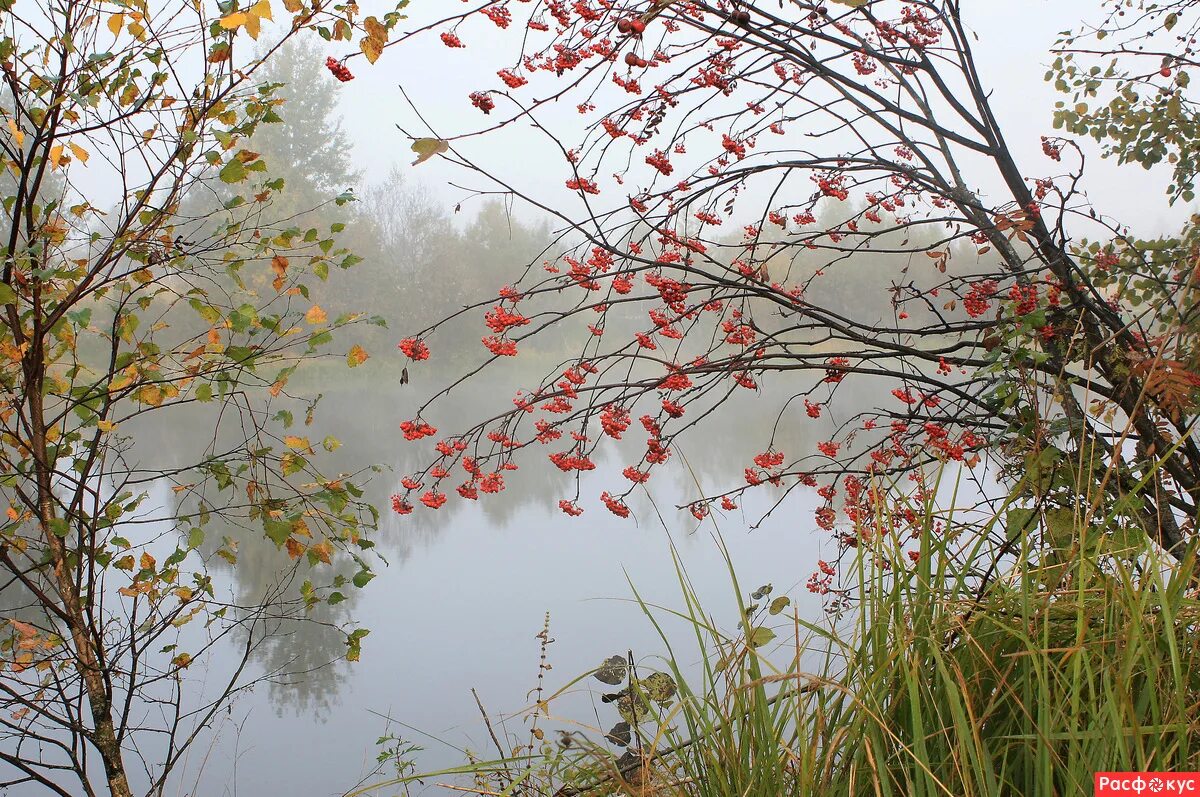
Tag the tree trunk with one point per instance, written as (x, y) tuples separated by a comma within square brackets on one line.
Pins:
[(87, 660)]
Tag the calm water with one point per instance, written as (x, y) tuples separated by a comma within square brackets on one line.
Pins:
[(468, 588)]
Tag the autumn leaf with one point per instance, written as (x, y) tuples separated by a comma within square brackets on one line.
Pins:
[(375, 29), (79, 152), (150, 394), (356, 356), (315, 315), (373, 43), (24, 629), (235, 20), (279, 264), (115, 23), (371, 48), (262, 9), (426, 148), (297, 443), (322, 551)]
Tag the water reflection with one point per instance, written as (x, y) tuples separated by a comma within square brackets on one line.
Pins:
[(468, 586)]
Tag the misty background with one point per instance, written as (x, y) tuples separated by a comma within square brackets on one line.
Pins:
[(468, 587)]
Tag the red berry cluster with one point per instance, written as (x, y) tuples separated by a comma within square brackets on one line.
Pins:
[(482, 101), (338, 69)]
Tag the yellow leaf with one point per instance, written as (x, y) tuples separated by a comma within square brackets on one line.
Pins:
[(150, 394), (253, 25), (12, 513), (105, 426), (16, 133), (375, 29), (80, 153), (123, 381), (293, 5), (426, 148), (299, 443), (356, 356), (146, 562), (371, 48), (235, 20), (261, 9), (55, 156), (315, 315), (115, 23)]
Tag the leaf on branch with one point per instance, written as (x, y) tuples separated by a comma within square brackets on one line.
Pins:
[(611, 671), (356, 356), (373, 43), (315, 315), (760, 636), (279, 265), (371, 48), (1170, 383), (426, 148)]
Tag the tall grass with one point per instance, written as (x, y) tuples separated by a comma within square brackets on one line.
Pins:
[(943, 678)]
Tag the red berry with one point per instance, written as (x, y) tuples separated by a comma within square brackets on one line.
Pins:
[(1165, 71), (624, 25), (631, 59), (636, 27)]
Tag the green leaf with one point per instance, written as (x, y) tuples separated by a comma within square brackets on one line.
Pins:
[(233, 172), (1018, 522), (277, 531), (659, 687), (7, 294), (760, 636)]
